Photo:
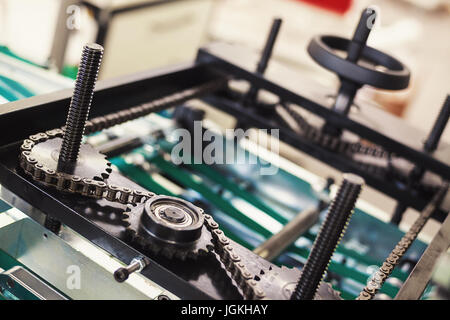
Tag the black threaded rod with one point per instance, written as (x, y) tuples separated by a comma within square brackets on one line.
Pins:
[(79, 106), (265, 57), (348, 89), (331, 232), (439, 126)]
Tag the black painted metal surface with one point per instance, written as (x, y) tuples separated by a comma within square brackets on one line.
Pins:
[(99, 221)]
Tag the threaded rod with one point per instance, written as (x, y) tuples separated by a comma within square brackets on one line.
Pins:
[(79, 106), (265, 57), (331, 232), (348, 89)]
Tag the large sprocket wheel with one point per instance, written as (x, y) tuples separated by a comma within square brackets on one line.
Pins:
[(168, 226), (90, 163)]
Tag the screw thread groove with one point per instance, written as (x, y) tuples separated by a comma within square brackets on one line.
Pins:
[(80, 103), (331, 232)]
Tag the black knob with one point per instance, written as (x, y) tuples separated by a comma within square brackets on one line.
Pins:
[(121, 274), (136, 265)]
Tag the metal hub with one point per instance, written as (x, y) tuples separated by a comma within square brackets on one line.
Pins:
[(169, 226), (173, 214), (172, 220)]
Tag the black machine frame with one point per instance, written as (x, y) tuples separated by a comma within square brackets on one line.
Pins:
[(23, 118)]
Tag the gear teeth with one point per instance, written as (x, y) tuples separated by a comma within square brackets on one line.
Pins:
[(163, 249), (130, 206), (328, 292), (290, 275), (130, 234)]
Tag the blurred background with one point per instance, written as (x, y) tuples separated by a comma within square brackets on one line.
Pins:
[(47, 36)]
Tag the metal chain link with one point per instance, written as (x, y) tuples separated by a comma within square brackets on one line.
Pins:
[(71, 183), (112, 119), (233, 262), (333, 142), (372, 159), (386, 269)]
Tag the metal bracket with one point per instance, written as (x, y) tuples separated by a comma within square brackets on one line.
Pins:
[(19, 283)]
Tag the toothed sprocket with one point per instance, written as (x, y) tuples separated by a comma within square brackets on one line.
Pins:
[(279, 283), (168, 226), (90, 163)]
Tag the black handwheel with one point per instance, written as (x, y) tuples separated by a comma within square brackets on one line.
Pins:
[(392, 75), (362, 64)]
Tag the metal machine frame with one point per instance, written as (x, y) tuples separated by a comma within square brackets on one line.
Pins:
[(20, 119)]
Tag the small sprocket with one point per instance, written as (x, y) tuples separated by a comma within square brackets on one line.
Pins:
[(168, 226), (90, 163)]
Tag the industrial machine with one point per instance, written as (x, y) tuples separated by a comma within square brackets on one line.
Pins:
[(104, 205)]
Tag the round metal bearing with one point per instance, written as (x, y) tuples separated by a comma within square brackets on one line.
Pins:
[(172, 220), (169, 226)]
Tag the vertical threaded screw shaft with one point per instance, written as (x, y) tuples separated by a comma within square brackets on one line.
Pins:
[(80, 105), (331, 232)]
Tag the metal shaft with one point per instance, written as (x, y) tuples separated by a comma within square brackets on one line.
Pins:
[(430, 146), (265, 56), (438, 128), (136, 265), (348, 89), (268, 48), (399, 210), (273, 246), (331, 232), (79, 106)]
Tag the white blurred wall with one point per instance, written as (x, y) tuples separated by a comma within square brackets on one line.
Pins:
[(418, 37)]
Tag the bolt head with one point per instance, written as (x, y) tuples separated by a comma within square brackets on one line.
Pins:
[(173, 214), (121, 274)]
